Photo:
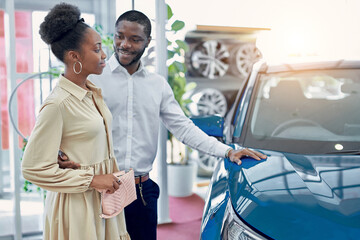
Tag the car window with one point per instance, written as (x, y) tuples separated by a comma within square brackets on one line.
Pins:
[(314, 106)]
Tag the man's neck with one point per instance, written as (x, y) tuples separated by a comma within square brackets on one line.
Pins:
[(131, 69)]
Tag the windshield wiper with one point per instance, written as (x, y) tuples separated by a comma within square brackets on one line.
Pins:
[(350, 152)]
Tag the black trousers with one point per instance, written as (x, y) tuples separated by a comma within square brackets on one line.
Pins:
[(141, 219)]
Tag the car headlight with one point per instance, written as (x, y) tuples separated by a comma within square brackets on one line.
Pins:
[(235, 229)]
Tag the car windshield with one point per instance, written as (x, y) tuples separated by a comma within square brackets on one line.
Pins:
[(305, 111)]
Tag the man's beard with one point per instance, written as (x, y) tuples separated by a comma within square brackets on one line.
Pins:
[(134, 61)]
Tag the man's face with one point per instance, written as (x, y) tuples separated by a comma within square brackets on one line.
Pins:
[(130, 42)]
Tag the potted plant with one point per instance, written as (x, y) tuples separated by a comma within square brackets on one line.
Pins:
[(181, 171)]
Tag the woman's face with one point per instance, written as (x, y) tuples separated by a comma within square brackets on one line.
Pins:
[(92, 56)]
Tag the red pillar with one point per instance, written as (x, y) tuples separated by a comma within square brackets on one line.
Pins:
[(24, 64)]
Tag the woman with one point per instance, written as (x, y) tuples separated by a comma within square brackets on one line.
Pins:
[(75, 119)]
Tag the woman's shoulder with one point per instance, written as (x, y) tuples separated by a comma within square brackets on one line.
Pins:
[(56, 97)]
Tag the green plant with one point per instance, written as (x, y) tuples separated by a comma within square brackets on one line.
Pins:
[(107, 39), (176, 74), (56, 71)]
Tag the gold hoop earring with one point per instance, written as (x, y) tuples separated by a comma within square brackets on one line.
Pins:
[(75, 69)]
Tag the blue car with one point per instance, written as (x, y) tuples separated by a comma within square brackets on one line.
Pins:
[(306, 118)]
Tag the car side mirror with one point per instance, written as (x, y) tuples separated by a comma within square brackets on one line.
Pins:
[(212, 125)]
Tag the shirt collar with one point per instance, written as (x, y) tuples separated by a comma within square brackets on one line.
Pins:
[(93, 87), (76, 90), (116, 67)]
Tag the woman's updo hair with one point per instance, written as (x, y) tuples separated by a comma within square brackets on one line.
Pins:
[(63, 29)]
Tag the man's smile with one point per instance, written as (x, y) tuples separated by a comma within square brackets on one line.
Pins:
[(125, 52)]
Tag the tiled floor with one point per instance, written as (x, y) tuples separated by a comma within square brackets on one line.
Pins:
[(31, 209)]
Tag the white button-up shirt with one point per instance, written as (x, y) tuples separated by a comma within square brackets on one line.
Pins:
[(138, 102)]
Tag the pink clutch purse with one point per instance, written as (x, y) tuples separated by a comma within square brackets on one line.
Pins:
[(113, 204)]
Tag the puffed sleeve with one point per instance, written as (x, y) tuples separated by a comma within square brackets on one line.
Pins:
[(39, 164)]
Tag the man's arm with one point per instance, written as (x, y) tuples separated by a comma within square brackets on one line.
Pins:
[(39, 164), (64, 161), (184, 130)]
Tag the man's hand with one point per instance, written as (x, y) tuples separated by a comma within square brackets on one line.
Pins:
[(64, 161), (236, 155)]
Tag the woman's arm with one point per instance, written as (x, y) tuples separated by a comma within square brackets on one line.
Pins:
[(39, 164)]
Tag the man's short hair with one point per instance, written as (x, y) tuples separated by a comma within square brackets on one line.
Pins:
[(138, 17)]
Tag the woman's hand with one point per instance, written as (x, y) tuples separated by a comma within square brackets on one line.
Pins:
[(107, 181)]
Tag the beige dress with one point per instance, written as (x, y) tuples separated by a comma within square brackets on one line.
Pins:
[(70, 121)]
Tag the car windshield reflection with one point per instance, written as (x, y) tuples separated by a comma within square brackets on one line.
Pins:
[(313, 106)]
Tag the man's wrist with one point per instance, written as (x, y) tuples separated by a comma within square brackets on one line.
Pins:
[(227, 152)]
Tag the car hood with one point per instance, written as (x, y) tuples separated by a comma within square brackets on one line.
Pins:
[(292, 196)]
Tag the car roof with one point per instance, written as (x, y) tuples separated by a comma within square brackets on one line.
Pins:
[(314, 65)]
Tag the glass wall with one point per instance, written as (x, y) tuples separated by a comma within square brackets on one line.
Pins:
[(31, 56)]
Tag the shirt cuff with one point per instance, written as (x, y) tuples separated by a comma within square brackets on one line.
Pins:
[(227, 152)]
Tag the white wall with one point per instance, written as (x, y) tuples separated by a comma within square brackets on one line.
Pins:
[(325, 28)]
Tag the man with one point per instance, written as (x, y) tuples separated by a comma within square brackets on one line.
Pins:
[(139, 100)]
